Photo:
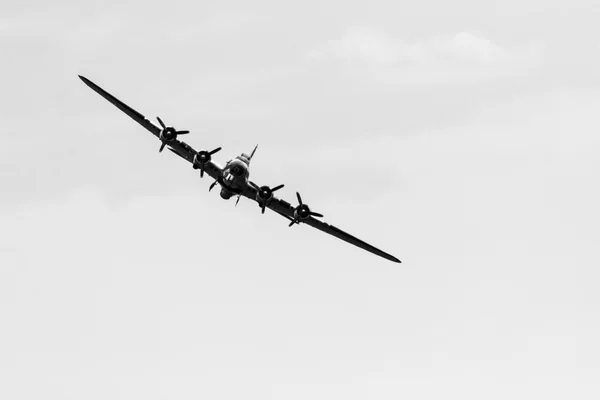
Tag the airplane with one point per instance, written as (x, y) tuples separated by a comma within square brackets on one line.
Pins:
[(233, 177)]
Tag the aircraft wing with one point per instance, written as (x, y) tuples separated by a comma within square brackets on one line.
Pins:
[(340, 234), (178, 147), (286, 210)]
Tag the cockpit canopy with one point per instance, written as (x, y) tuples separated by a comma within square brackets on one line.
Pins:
[(245, 158)]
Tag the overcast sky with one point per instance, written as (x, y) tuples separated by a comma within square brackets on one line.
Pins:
[(462, 137)]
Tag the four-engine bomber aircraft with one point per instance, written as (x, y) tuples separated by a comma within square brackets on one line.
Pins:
[(233, 177)]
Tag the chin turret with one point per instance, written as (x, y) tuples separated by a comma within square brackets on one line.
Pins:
[(225, 194)]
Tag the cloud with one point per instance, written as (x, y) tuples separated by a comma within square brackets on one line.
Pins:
[(460, 58)]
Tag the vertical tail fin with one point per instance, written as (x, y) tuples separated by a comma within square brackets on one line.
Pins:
[(246, 158), (253, 151)]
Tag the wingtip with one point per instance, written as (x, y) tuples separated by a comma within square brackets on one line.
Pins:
[(390, 257), (85, 80)]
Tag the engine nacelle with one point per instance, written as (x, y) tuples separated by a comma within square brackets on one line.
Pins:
[(168, 134), (302, 212), (201, 158), (264, 195)]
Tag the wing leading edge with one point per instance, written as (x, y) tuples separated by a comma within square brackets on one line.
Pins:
[(136, 116), (346, 237)]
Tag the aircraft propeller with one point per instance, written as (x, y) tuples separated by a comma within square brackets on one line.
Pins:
[(265, 194), (213, 185), (168, 133), (302, 211), (202, 158)]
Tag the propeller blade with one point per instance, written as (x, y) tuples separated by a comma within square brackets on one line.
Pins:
[(299, 198), (162, 147), (292, 220), (314, 214), (238, 200), (291, 223), (202, 173), (277, 188), (161, 123), (213, 185), (263, 208), (182, 132), (215, 151)]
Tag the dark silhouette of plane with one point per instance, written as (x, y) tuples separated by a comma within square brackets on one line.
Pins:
[(233, 176)]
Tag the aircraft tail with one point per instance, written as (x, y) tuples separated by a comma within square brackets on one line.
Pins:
[(253, 151), (246, 158)]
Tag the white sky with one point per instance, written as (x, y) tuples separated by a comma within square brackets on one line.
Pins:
[(462, 137)]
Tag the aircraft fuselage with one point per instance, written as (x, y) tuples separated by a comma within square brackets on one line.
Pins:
[(235, 176)]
